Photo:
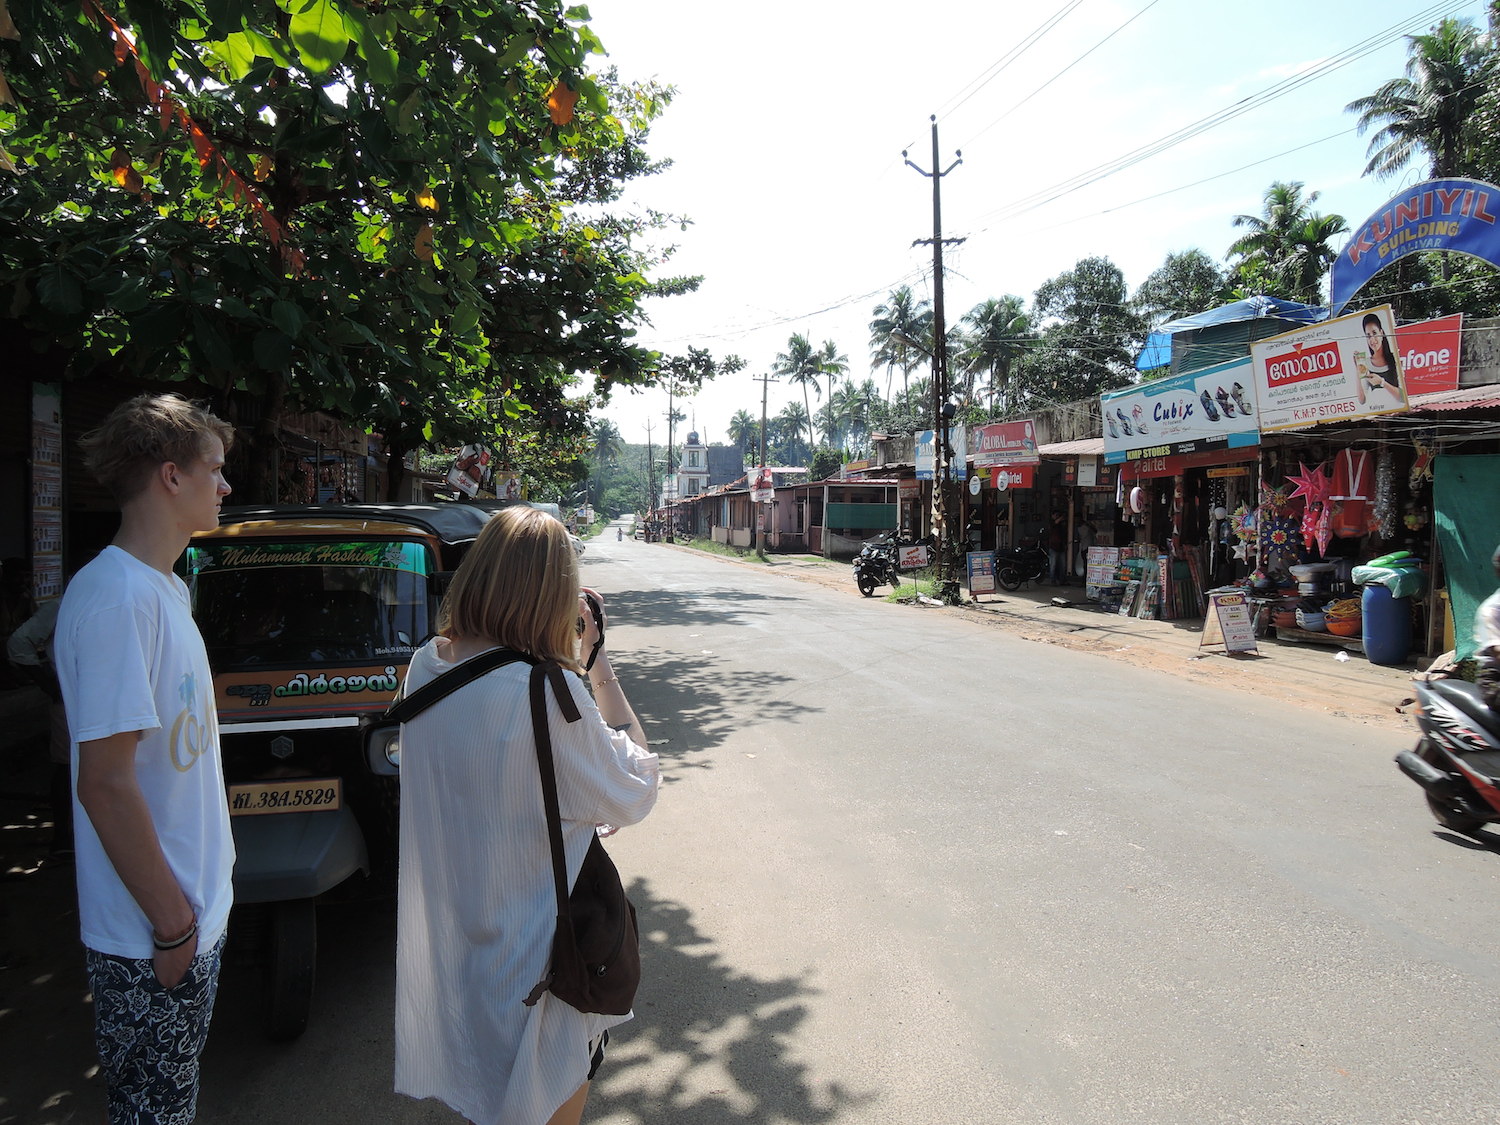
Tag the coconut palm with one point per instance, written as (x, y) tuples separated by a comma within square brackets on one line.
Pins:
[(792, 422), (1429, 111), (800, 364), (994, 336), (901, 335), (1287, 243), (834, 365), (744, 429)]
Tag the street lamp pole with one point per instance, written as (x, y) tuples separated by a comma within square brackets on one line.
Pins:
[(942, 453)]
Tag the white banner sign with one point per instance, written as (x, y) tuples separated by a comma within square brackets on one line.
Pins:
[(1330, 372)]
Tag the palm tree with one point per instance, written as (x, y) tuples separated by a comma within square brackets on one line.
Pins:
[(793, 420), (799, 364), (835, 365), (1287, 243), (744, 429), (995, 332), (901, 335), (1429, 111)]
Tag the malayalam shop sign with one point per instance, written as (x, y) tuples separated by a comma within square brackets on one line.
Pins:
[(1336, 371), (1209, 409)]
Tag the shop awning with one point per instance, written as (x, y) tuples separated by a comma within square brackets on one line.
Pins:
[(1084, 447), (1464, 398)]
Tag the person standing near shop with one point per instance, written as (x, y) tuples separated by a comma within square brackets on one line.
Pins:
[(1487, 643), (1057, 549), (151, 826)]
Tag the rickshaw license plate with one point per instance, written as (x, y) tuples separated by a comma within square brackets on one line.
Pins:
[(300, 794)]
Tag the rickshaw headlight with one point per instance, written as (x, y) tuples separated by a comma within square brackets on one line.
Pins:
[(383, 750)]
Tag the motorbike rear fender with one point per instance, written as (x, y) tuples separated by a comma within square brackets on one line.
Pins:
[(295, 855)]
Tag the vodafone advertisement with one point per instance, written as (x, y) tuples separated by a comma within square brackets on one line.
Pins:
[(1429, 353), (1342, 369)]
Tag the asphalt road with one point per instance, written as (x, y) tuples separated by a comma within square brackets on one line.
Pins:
[(907, 868)]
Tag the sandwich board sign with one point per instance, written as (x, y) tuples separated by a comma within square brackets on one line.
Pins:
[(1228, 622)]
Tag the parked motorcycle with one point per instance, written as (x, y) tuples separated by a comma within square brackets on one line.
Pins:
[(875, 565), (1021, 564), (1457, 759)]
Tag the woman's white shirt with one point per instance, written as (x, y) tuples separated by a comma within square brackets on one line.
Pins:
[(477, 908)]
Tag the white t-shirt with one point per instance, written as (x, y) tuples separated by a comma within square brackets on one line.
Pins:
[(477, 907), (130, 658), (1487, 629)]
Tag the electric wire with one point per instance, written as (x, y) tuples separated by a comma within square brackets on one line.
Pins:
[(1060, 73), (1310, 73)]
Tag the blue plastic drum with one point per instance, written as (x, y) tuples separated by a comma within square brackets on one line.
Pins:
[(1387, 626)]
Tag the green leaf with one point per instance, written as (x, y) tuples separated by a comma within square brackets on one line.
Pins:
[(320, 34), (273, 349), (216, 350), (382, 61), (289, 318), (465, 319), (239, 53), (59, 290)]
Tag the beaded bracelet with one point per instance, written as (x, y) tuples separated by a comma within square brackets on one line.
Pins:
[(605, 683)]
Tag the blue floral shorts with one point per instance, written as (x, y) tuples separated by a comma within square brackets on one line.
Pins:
[(150, 1037)]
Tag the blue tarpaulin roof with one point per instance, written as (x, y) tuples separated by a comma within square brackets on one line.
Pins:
[(1158, 349)]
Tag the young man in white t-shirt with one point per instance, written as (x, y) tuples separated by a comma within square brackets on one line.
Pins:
[(154, 851)]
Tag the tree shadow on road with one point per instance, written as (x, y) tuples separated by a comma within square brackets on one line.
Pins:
[(690, 704), (688, 608), (711, 1043)]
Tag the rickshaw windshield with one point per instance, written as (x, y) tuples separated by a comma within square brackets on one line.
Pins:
[(292, 602)]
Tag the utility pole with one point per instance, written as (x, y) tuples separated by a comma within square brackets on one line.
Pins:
[(765, 391), (942, 411), (650, 478)]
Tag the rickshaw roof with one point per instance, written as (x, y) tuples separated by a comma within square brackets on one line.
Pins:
[(456, 522)]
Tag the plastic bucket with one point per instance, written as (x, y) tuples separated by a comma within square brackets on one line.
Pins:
[(1387, 626)]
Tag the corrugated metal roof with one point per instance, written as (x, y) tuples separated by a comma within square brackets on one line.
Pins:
[(1084, 447), (1464, 398)]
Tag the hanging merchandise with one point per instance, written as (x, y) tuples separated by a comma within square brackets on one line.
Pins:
[(1243, 523), (1353, 475), (1324, 533), (1279, 546), (1312, 484), (1138, 500), (1385, 494), (1421, 466)]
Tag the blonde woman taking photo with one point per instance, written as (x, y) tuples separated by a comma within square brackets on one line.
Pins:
[(478, 905)]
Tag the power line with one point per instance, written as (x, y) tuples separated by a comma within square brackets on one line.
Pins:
[(1308, 74), (994, 70), (1060, 73)]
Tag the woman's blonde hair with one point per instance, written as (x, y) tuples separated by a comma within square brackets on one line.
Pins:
[(518, 585)]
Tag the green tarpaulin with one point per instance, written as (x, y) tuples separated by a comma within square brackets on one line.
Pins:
[(1466, 494)]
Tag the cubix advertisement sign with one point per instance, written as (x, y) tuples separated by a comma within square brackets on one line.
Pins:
[(1209, 409), (1336, 371)]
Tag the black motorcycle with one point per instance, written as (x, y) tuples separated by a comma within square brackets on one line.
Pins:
[(875, 565), (1021, 564), (1457, 759)]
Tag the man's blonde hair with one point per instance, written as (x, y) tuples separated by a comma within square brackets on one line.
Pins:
[(146, 432), (518, 586)]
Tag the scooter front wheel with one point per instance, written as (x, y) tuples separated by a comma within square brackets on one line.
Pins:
[(867, 585)]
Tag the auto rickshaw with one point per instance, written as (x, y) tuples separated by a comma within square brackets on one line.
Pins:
[(310, 615)]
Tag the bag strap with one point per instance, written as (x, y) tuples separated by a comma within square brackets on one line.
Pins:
[(409, 707), (540, 674)]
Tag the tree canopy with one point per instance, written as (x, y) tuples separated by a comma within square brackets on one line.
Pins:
[(401, 213)]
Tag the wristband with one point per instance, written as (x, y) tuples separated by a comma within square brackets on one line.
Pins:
[(187, 935)]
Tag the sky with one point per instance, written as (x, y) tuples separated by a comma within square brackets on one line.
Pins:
[(790, 118)]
